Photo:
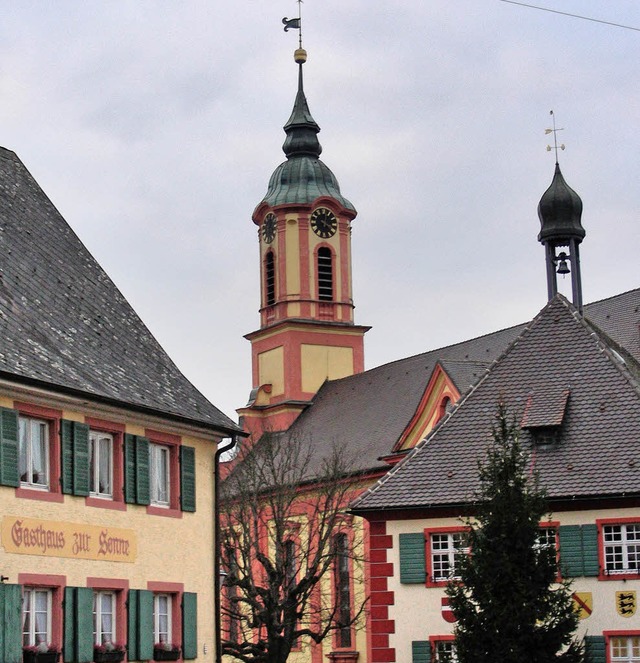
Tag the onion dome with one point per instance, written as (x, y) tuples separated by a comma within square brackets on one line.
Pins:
[(302, 177), (560, 210)]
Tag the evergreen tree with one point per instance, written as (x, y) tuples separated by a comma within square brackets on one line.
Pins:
[(509, 604)]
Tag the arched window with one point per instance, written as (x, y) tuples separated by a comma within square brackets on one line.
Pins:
[(325, 274), (444, 407), (270, 278)]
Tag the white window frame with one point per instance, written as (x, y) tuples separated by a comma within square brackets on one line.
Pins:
[(547, 538), (156, 452), (98, 612), (94, 464), (445, 548), (444, 648), (25, 453), (624, 648), (29, 637), (621, 548), (162, 637)]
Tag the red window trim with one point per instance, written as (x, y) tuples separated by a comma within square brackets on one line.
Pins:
[(120, 587), (173, 442), (175, 589), (56, 583), (53, 417), (117, 430), (603, 575), (616, 634), (434, 639), (335, 639), (427, 551)]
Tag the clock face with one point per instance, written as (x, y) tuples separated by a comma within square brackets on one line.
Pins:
[(324, 222), (269, 228)]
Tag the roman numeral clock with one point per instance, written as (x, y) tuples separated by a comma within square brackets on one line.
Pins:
[(324, 222)]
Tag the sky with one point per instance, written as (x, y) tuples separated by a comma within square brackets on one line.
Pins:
[(154, 126)]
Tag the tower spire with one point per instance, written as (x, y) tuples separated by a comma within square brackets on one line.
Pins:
[(560, 212)]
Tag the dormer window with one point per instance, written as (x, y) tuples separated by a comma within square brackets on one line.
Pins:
[(544, 414)]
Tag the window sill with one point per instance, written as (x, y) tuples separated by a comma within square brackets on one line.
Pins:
[(102, 503), (625, 575), (163, 511), (39, 494)]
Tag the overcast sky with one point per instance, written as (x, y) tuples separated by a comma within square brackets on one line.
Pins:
[(154, 125)]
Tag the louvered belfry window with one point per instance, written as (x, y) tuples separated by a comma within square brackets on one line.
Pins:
[(325, 274), (270, 278)]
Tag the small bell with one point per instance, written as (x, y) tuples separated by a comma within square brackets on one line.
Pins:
[(563, 268)]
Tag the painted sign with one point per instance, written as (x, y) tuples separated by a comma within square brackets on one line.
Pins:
[(583, 604), (30, 536), (626, 603)]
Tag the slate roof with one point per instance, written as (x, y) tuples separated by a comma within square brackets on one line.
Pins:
[(65, 325), (598, 452), (368, 412)]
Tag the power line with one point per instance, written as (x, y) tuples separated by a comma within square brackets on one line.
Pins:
[(584, 18)]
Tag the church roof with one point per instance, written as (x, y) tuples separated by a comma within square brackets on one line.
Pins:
[(302, 178), (559, 359), (64, 324), (368, 412)]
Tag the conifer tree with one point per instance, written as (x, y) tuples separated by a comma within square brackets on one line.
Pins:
[(509, 603)]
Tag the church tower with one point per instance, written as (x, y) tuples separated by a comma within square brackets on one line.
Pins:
[(307, 332)]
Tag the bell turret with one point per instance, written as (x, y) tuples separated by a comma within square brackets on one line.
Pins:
[(560, 211)]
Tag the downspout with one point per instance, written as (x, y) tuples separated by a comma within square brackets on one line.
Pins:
[(216, 545)]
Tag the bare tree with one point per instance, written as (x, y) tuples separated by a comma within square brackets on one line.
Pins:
[(287, 547)]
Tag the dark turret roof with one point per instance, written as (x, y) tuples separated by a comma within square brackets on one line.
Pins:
[(302, 177), (63, 323), (560, 211)]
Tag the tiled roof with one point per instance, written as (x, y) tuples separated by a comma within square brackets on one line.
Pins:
[(64, 324), (598, 452), (368, 412)]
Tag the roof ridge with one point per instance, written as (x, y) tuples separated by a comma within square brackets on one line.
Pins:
[(604, 299)]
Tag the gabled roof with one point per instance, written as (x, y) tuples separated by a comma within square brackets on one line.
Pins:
[(368, 412), (65, 325), (598, 451)]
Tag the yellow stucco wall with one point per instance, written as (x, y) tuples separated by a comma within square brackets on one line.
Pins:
[(176, 550), (271, 369), (321, 362)]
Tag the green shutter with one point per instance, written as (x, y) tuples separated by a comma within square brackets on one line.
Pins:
[(9, 448), (145, 625), (571, 562), (412, 559), (66, 456), (11, 623), (189, 625), (579, 550), (84, 624), (132, 624), (595, 649), (129, 469), (187, 478), (420, 651), (142, 470), (69, 637), (80, 459), (590, 550)]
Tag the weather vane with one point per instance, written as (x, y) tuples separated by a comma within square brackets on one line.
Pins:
[(554, 131), (295, 23)]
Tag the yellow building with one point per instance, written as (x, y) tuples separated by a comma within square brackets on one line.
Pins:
[(107, 460)]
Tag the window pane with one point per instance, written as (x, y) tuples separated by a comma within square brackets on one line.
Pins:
[(24, 455), (104, 467)]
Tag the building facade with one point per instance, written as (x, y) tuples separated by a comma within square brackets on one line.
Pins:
[(107, 460)]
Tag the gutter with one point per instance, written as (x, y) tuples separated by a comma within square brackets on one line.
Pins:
[(216, 545)]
